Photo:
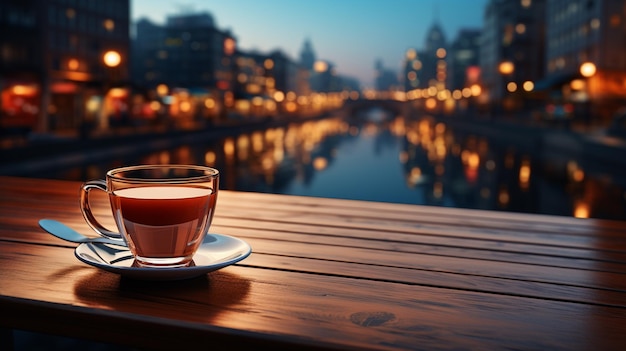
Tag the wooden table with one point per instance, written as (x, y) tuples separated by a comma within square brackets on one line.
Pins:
[(328, 274)]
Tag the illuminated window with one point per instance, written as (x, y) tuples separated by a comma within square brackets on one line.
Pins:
[(70, 13), (242, 78), (229, 46), (73, 64), (108, 24)]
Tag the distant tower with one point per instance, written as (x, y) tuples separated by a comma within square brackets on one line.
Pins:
[(434, 56), (307, 55), (435, 38)]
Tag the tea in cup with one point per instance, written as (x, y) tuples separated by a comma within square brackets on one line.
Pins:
[(163, 212)]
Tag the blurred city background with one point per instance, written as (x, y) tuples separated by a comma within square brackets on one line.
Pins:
[(508, 105)]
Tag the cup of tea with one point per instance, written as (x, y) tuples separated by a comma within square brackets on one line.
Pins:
[(162, 212)]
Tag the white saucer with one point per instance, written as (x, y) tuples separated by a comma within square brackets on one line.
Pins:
[(217, 251)]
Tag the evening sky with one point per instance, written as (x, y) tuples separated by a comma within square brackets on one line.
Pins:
[(351, 34)]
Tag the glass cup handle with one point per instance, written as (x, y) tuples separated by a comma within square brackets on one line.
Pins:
[(85, 208)]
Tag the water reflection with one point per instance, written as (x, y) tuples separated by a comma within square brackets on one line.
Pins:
[(377, 157)]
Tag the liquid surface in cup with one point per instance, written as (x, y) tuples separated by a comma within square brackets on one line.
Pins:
[(164, 221)]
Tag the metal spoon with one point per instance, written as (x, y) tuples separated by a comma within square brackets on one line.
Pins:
[(64, 232)]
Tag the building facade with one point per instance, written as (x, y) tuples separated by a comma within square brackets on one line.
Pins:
[(591, 32), (53, 72), (433, 59), (463, 59), (512, 51), (190, 61)]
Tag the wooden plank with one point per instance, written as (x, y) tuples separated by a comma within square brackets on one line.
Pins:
[(332, 219), (243, 199), (432, 212), (411, 216), (617, 251), (506, 277), (586, 295), (347, 312), (351, 274)]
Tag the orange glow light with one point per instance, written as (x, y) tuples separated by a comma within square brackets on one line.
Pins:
[(209, 103), (441, 53), (320, 66), (229, 46), (511, 87), (185, 106), (506, 67), (73, 64), (528, 86), (24, 90), (112, 58), (581, 210), (587, 69), (524, 174), (320, 163), (117, 93), (431, 103), (108, 24), (476, 90), (162, 89)]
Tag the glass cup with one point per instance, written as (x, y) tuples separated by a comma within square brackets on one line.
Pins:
[(163, 212)]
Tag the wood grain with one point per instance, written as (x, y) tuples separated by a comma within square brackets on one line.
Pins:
[(329, 274)]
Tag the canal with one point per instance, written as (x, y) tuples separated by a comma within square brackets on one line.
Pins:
[(375, 156)]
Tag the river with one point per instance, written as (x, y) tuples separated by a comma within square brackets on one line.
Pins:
[(379, 157)]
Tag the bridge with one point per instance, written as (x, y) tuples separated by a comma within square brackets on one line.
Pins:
[(353, 107)]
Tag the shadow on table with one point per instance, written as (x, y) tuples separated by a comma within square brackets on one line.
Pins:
[(208, 295)]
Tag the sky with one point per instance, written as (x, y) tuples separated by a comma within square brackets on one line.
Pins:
[(351, 34)]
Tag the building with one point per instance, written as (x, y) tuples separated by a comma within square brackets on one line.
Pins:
[(591, 32), (284, 71), (411, 70), (511, 51), (188, 51), (463, 59), (190, 61), (55, 73), (433, 59), (147, 50), (307, 55)]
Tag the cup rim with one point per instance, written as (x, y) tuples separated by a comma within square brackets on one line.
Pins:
[(210, 173)]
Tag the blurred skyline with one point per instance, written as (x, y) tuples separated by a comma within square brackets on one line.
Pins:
[(352, 35)]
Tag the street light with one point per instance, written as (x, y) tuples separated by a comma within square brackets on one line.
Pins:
[(588, 69), (112, 58), (506, 67)]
